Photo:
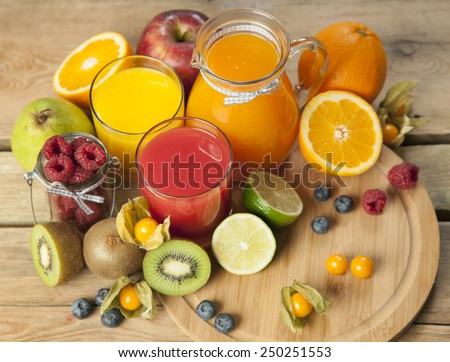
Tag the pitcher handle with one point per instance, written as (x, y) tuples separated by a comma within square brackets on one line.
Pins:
[(312, 67)]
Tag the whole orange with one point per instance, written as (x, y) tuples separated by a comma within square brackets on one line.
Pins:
[(356, 60)]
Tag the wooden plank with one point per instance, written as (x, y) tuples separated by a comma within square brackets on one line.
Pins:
[(437, 308), (28, 62), (56, 324), (434, 163), (26, 304), (433, 160), (15, 195), (426, 333)]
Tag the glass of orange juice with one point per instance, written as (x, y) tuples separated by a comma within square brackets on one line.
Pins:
[(128, 97), (243, 88)]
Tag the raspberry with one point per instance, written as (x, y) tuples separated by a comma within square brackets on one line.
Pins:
[(66, 208), (84, 221), (56, 146), (80, 175), (56, 209), (77, 142), (373, 201), (403, 176), (59, 169), (90, 156), (99, 191), (68, 203), (61, 215)]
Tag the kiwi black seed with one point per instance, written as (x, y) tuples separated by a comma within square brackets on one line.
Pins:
[(177, 267), (107, 255), (57, 252)]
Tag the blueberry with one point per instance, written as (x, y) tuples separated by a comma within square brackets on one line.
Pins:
[(224, 322), (322, 192), (81, 308), (112, 318), (343, 204), (100, 296), (206, 310), (320, 224)]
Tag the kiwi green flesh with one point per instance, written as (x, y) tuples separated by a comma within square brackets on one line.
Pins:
[(176, 268), (56, 250)]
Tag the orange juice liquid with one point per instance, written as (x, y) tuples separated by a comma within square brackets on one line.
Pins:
[(268, 125), (130, 102), (242, 57)]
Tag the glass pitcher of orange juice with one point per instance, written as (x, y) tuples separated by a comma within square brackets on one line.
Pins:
[(243, 88)]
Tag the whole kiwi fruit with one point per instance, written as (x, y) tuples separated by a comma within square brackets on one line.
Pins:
[(107, 255)]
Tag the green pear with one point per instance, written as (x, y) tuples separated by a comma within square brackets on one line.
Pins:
[(41, 119)]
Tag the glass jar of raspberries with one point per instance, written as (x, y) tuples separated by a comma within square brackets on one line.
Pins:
[(75, 170)]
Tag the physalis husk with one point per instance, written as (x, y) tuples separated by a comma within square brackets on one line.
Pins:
[(129, 214), (396, 108), (318, 302), (145, 294)]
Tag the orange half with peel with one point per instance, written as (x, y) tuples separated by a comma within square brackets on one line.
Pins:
[(73, 78), (340, 133)]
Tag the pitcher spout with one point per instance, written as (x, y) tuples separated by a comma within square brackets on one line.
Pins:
[(196, 60)]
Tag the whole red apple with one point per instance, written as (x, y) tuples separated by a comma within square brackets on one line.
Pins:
[(170, 37)]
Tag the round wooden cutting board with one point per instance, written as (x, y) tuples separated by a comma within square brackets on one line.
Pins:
[(403, 242)]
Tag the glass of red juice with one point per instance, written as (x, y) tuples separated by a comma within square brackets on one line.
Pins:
[(185, 172)]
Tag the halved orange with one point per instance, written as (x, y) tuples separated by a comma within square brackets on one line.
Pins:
[(340, 133), (73, 79)]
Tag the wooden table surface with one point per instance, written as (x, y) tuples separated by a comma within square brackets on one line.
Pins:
[(37, 35)]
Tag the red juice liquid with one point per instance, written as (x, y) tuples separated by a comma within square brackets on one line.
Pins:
[(188, 175)]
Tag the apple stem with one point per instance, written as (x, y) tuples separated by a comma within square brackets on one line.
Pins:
[(43, 115), (188, 35), (183, 37)]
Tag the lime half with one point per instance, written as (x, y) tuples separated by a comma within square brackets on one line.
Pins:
[(272, 198), (243, 244)]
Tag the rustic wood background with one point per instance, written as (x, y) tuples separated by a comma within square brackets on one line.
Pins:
[(35, 36)]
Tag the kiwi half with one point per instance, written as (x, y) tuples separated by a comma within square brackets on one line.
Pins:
[(177, 267), (57, 253)]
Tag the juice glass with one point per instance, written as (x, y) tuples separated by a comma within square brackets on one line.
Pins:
[(184, 170), (129, 96), (243, 88)]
